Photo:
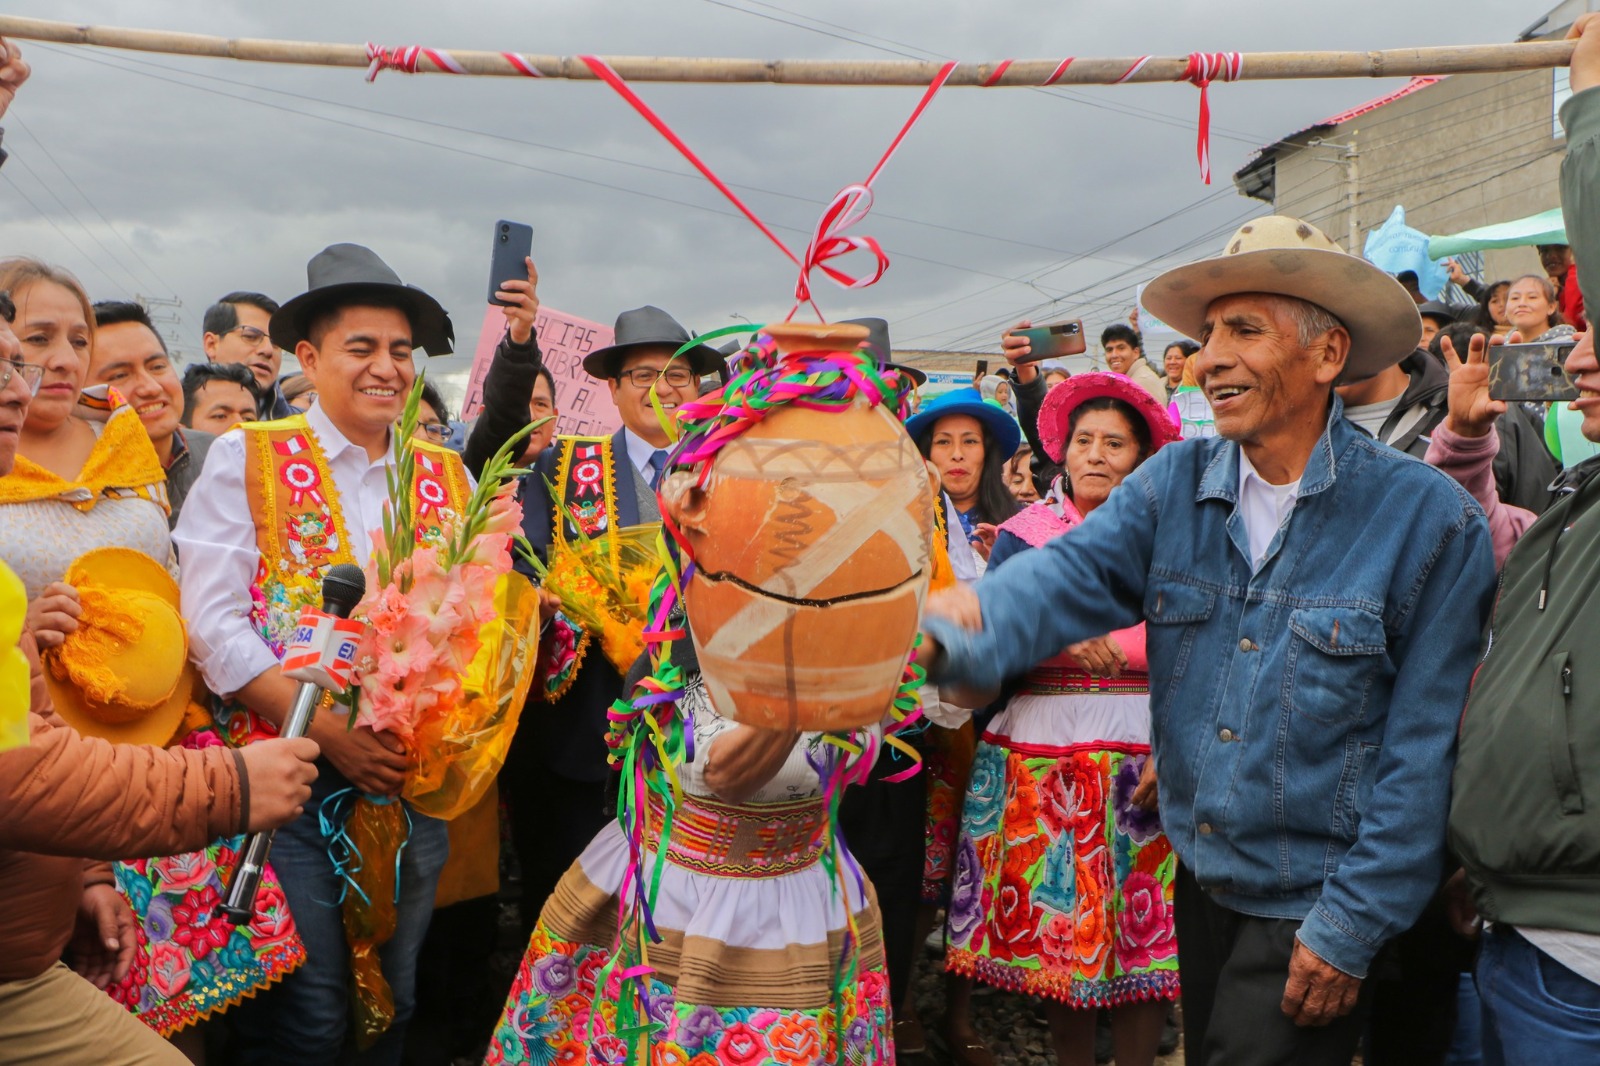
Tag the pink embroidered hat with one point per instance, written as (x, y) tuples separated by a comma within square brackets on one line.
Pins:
[(1079, 389)]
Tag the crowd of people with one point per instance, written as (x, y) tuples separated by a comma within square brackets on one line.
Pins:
[(1256, 705)]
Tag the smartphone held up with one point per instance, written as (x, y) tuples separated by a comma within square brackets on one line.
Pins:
[(1055, 341), (1532, 372), (513, 244)]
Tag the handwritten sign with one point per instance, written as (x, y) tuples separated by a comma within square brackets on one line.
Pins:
[(583, 405)]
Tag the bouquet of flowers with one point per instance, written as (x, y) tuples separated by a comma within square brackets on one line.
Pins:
[(604, 584), (443, 612)]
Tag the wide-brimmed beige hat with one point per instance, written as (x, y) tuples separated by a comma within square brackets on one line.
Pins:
[(1288, 257)]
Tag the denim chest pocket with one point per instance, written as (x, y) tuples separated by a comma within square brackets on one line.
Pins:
[(1173, 614), (1335, 656)]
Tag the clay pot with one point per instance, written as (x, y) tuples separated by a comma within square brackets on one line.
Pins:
[(812, 539)]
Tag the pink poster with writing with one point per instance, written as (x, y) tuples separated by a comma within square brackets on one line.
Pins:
[(583, 405)]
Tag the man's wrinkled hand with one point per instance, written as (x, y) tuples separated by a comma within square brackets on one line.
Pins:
[(1100, 656), (1585, 72), (1317, 993), (103, 938)]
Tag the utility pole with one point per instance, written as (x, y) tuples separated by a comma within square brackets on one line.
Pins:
[(1349, 159), (165, 312)]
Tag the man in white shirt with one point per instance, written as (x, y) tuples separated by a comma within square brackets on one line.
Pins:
[(354, 333)]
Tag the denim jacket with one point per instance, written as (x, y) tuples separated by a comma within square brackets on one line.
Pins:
[(1304, 716)]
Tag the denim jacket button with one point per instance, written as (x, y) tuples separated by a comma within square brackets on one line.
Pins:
[(1205, 829), (1245, 645), (1225, 736)]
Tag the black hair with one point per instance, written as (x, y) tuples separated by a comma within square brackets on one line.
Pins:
[(320, 319), (1460, 334), (995, 501), (223, 315), (117, 312), (199, 375), (1186, 346), (1481, 316), (550, 380), (8, 310), (1118, 331), (431, 397)]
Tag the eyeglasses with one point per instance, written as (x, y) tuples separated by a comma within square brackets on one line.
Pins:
[(643, 377), (32, 374), (250, 334), (436, 430)]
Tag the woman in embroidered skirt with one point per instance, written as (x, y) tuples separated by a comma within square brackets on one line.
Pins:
[(751, 923), (80, 485), (1063, 885)]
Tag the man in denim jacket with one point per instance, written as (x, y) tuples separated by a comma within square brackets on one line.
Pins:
[(1314, 601)]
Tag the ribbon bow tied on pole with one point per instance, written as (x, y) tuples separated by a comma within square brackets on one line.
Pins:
[(1203, 68)]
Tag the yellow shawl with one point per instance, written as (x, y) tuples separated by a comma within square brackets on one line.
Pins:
[(123, 463)]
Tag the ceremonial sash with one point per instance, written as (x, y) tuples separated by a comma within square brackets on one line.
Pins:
[(586, 478), (301, 531)]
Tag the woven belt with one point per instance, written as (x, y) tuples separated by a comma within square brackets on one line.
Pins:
[(758, 840), (1067, 680)]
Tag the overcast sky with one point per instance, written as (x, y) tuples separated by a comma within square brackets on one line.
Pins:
[(185, 178)]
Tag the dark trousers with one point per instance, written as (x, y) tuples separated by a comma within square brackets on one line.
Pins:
[(882, 823), (553, 818), (1414, 993), (1234, 970)]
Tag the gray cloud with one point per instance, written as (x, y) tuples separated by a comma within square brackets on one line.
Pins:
[(191, 177)]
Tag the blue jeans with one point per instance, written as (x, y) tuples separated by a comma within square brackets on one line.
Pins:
[(1536, 1012), (305, 1019)]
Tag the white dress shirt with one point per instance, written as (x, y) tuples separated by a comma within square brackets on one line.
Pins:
[(217, 553), (639, 453), (1264, 506)]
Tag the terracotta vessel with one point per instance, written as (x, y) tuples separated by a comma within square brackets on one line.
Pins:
[(813, 541)]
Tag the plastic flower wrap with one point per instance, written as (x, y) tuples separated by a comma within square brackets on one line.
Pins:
[(444, 665), (604, 584)]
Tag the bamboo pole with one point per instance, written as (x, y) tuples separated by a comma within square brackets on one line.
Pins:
[(1258, 66)]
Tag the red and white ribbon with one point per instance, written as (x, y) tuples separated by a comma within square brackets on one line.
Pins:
[(1203, 68), (849, 207), (302, 480), (405, 60), (1138, 65)]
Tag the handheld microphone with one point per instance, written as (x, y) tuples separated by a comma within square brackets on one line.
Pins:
[(342, 588)]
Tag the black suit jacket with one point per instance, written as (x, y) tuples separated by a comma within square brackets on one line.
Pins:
[(567, 736)]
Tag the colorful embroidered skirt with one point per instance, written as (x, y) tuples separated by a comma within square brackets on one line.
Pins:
[(1063, 888), (947, 760), (744, 973), (191, 962)]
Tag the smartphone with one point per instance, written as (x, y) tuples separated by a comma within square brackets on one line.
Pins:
[(513, 243), (1531, 372), (1054, 341), (983, 367)]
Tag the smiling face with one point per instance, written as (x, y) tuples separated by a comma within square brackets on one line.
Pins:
[(1172, 362), (1585, 371), (54, 333), (1120, 356), (360, 359), (249, 343), (633, 399), (1529, 306), (1497, 304), (956, 451), (542, 404), (129, 357), (1261, 381)]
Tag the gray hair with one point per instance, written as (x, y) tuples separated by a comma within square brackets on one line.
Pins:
[(1311, 320)]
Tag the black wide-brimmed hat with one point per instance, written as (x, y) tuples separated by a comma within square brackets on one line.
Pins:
[(341, 275), (878, 343), (649, 327)]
